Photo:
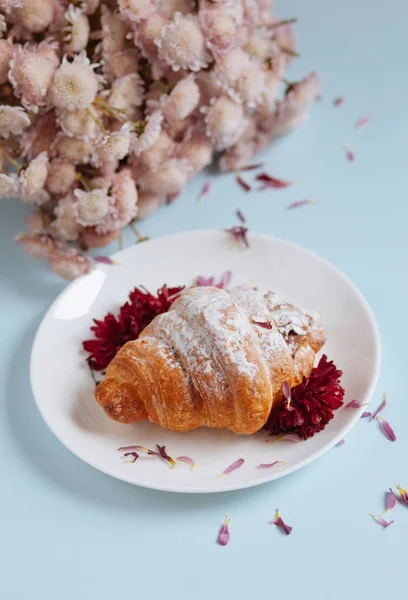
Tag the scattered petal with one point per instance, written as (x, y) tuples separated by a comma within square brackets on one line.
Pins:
[(279, 523), (390, 501), (365, 415), (340, 443), (131, 448), (240, 217), (224, 534), (380, 408), (187, 460), (403, 494), (270, 182), (252, 167), (134, 454), (381, 521), (273, 464), (362, 122), (264, 324), (387, 429), (105, 260), (338, 101), (210, 281), (245, 186), (351, 157), (291, 437), (204, 191), (161, 451), (286, 391), (239, 235), (354, 404), (300, 203), (235, 465)]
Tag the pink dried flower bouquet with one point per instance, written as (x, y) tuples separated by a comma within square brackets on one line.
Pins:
[(108, 108)]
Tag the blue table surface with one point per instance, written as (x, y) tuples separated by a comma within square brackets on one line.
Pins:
[(68, 531)]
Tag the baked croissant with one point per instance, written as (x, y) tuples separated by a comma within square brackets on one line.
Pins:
[(216, 358)]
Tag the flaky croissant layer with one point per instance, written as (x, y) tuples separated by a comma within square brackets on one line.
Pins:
[(216, 358)]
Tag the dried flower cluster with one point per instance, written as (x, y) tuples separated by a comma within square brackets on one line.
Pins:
[(108, 108)]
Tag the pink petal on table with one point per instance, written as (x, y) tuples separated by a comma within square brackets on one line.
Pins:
[(381, 521), (341, 442), (204, 281), (104, 260), (270, 465), (299, 203), (240, 216), (354, 404), (365, 415), (235, 465), (338, 101), (362, 122), (224, 534), (134, 454), (238, 234), (225, 280), (204, 190), (390, 501), (252, 167), (380, 408), (351, 157), (186, 459), (403, 494), (279, 523), (245, 186), (387, 429), (130, 448), (270, 182)]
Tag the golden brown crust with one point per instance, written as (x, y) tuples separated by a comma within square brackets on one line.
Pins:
[(215, 358)]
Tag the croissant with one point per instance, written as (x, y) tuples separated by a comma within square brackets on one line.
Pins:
[(216, 358)]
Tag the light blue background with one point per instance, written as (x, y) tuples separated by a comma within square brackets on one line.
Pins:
[(68, 532)]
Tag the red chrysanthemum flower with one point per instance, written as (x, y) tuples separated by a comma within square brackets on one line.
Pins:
[(311, 404), (113, 332)]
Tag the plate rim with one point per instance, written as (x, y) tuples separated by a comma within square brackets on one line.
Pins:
[(230, 486)]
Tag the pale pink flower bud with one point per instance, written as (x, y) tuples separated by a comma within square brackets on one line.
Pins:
[(122, 63), (6, 54), (182, 44), (91, 208), (112, 148), (161, 150), (145, 34), (238, 156), (92, 239), (61, 177), (115, 31), (136, 10), (13, 120), (147, 203), (81, 123), (229, 68), (220, 30), (90, 6), (75, 150), (250, 86), (32, 181), (69, 264), (150, 135), (183, 100), (224, 123), (77, 30), (124, 195), (34, 15), (127, 93), (197, 150), (272, 85), (8, 185), (31, 71), (38, 245), (65, 224), (75, 84), (168, 180), (260, 44), (40, 137), (169, 7)]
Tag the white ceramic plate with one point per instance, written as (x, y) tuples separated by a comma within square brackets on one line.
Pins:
[(63, 388)]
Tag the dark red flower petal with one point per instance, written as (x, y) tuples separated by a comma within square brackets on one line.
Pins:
[(113, 332), (312, 404)]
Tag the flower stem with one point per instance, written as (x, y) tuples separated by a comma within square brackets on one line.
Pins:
[(283, 22), (98, 122), (84, 181), (139, 236)]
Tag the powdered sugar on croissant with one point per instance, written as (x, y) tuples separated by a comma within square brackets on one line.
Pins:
[(216, 358)]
